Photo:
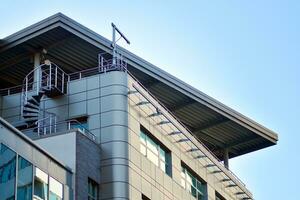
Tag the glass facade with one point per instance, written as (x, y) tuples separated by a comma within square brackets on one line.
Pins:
[(93, 189), (192, 184), (55, 189), (7, 173), (28, 177), (24, 187), (40, 185), (155, 152)]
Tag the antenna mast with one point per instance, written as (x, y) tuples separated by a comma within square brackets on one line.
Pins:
[(114, 41)]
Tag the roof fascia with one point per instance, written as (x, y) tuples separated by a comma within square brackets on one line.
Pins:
[(139, 63)]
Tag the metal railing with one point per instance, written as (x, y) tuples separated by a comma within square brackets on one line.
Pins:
[(11, 90), (58, 127), (46, 125), (186, 132), (103, 67), (44, 76)]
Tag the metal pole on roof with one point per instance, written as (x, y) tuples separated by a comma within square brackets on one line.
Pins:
[(114, 42)]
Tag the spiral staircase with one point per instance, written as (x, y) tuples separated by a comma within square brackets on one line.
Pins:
[(45, 80)]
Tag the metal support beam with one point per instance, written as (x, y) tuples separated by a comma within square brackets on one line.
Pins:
[(226, 158), (15, 60), (181, 105), (210, 124)]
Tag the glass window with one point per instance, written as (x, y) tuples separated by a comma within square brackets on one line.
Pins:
[(93, 189), (156, 153), (7, 173), (80, 123), (193, 184), (24, 188), (40, 185), (55, 189)]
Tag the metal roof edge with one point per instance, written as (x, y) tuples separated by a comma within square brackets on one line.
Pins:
[(156, 71), (32, 143)]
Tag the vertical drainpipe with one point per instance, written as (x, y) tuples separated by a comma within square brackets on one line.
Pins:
[(226, 158), (36, 79)]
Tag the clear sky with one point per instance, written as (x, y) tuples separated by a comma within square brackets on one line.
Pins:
[(243, 53)]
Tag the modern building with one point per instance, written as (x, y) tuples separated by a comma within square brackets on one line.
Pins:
[(82, 118)]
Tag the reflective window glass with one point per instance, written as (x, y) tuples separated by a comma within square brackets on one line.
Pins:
[(40, 185), (24, 189), (55, 189), (155, 152), (7, 173), (193, 184)]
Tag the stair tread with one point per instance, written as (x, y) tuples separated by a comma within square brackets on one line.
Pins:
[(27, 114), (28, 109), (30, 105)]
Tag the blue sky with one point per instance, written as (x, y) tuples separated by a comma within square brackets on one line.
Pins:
[(243, 53)]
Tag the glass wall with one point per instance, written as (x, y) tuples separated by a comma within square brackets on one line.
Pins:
[(40, 185), (55, 189), (45, 187), (193, 184), (24, 187), (7, 173), (155, 152)]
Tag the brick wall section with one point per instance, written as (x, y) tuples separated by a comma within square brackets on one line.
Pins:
[(87, 165)]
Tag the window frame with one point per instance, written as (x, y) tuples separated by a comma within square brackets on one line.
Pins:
[(164, 160), (93, 183), (187, 182)]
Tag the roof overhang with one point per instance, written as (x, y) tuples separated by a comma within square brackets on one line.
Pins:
[(76, 47)]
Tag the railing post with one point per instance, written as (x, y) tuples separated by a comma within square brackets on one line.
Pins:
[(50, 75), (26, 90), (38, 127), (50, 126), (55, 76), (63, 82), (54, 124)]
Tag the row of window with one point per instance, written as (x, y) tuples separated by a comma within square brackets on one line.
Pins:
[(45, 187), (161, 157)]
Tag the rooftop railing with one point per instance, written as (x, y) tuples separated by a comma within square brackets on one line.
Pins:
[(106, 66), (58, 127), (198, 148)]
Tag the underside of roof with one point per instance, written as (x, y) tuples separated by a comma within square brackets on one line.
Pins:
[(74, 48)]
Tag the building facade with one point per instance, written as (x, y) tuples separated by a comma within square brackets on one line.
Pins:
[(110, 128)]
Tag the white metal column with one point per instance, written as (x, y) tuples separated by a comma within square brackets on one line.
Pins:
[(37, 71)]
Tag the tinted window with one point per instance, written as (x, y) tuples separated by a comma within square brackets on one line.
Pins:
[(7, 173), (24, 190)]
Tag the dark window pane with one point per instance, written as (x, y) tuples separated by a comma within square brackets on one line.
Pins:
[(24, 190), (40, 184), (7, 173), (93, 190)]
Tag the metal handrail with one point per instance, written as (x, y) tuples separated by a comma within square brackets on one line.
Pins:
[(217, 160), (11, 90), (62, 126), (122, 67)]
